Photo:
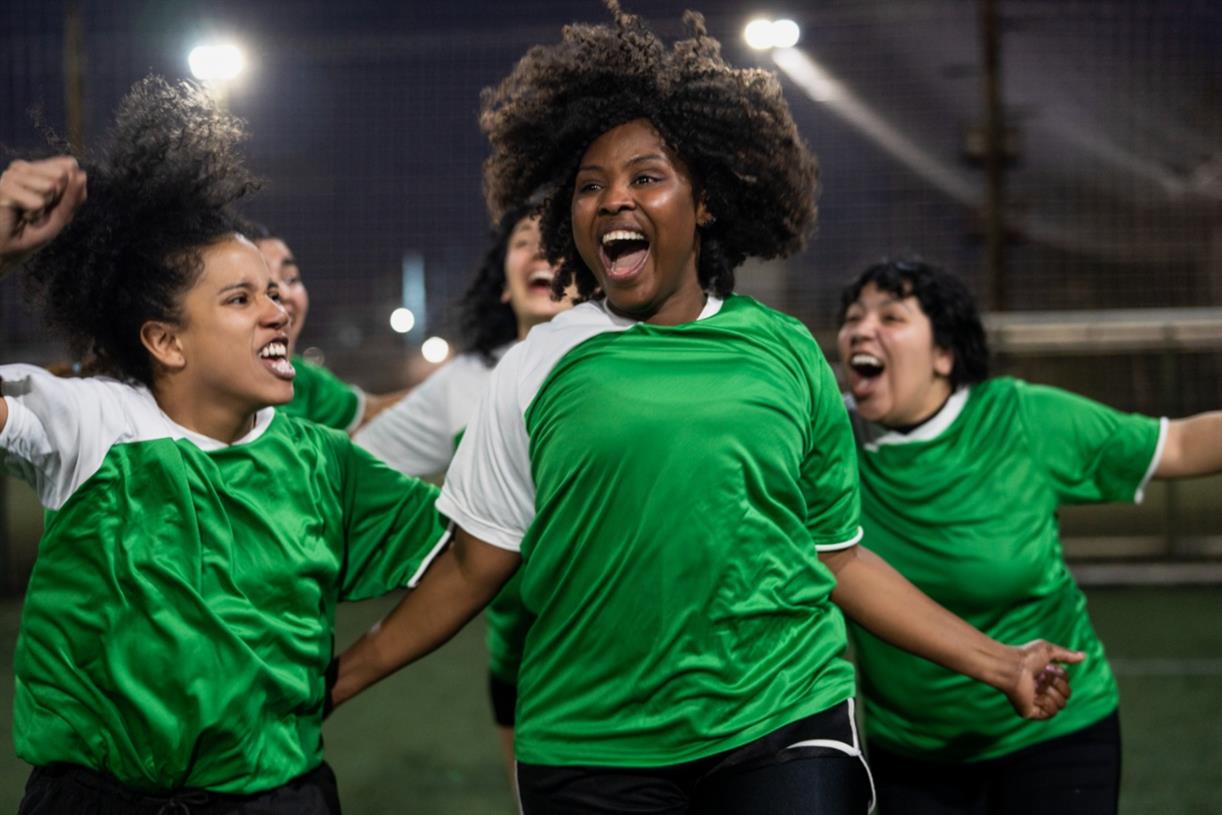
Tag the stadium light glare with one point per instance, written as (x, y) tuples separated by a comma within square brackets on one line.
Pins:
[(402, 320), (758, 34), (785, 34), (764, 35), (435, 350), (219, 62)]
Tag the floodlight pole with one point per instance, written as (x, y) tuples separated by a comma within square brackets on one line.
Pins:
[(994, 158)]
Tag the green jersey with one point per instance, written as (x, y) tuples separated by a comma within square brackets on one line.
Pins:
[(965, 507), (178, 622), (324, 398), (669, 489)]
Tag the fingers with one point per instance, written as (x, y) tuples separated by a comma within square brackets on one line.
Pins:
[(34, 187)]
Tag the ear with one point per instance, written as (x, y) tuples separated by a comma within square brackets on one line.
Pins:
[(162, 342), (703, 216), (943, 361), (505, 296)]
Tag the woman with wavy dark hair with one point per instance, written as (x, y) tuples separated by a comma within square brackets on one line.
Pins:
[(178, 623), (670, 464), (510, 294), (962, 476)]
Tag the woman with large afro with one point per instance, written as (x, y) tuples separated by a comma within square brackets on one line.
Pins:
[(178, 624), (670, 465)]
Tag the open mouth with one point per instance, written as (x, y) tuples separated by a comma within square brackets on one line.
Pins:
[(624, 252), (275, 357), (866, 366), (540, 281)]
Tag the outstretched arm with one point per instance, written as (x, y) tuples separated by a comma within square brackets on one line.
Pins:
[(37, 200), (459, 584), (1193, 447), (879, 598)]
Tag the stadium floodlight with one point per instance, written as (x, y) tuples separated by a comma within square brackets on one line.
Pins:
[(763, 35), (435, 349), (402, 320), (217, 62)]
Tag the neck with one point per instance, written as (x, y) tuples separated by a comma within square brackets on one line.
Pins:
[(205, 416), (925, 415), (683, 306)]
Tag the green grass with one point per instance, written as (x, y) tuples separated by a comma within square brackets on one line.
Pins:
[(423, 741)]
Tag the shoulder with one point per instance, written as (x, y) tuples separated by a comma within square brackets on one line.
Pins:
[(764, 322)]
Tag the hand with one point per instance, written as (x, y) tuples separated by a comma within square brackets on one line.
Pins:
[(1040, 686), (37, 200)]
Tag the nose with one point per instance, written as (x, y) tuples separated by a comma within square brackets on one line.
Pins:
[(616, 197), (275, 315), (864, 328)]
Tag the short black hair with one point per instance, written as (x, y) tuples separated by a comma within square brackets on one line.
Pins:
[(947, 303), (486, 321), (160, 191), (731, 127)]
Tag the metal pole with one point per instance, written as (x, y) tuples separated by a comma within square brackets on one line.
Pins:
[(994, 157)]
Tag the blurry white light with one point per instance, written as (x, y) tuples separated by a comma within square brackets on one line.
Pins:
[(435, 349), (402, 320), (785, 34), (212, 63), (763, 34), (758, 34)]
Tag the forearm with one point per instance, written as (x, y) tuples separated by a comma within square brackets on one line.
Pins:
[(885, 603), (1193, 447), (459, 584)]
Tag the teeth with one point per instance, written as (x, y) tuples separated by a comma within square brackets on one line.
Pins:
[(274, 349), (540, 277), (865, 359), (622, 235)]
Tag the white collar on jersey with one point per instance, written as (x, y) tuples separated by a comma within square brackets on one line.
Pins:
[(712, 305), (263, 420), (873, 435)]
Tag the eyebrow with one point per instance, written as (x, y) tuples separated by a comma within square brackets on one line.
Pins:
[(243, 284), (634, 160)]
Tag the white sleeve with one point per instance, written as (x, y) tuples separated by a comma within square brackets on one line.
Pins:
[(58, 430), (488, 490), (414, 434)]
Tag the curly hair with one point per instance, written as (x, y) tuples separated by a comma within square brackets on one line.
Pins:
[(160, 191), (730, 126), (486, 321), (947, 303)]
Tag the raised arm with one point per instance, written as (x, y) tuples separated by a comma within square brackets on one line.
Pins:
[(1193, 447), (459, 584), (37, 200), (883, 601)]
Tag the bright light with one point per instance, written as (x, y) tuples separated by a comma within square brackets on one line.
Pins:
[(763, 34), (402, 320), (758, 34), (435, 349), (785, 34), (221, 62)]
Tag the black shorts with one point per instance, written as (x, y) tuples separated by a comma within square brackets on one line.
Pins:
[(1074, 774), (66, 789), (811, 765)]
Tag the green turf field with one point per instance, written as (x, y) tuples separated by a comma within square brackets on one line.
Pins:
[(422, 742)]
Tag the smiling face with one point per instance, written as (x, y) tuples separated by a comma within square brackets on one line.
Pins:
[(232, 336), (528, 277), (287, 275), (634, 224), (896, 373)]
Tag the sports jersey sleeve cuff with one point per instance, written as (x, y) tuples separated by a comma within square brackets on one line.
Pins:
[(844, 544), (361, 399), (437, 549), (489, 533), (1155, 460)]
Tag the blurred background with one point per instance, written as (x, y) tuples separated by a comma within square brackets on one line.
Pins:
[(1064, 156)]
